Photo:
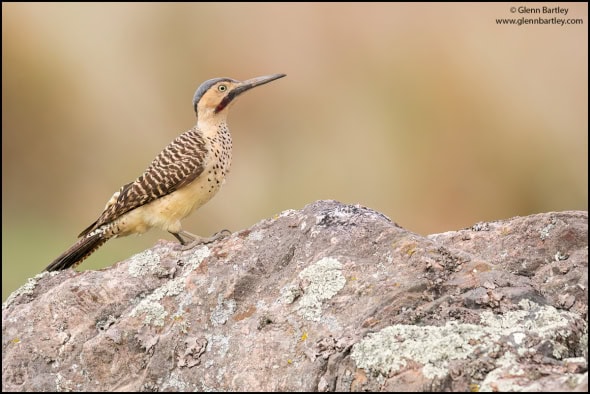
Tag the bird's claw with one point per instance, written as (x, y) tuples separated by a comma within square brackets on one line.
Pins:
[(205, 240)]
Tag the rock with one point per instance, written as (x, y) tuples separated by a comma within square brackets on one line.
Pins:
[(332, 297)]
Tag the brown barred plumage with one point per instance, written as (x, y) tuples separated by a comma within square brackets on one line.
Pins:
[(176, 166), (183, 177)]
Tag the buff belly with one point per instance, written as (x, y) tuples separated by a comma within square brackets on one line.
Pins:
[(167, 212)]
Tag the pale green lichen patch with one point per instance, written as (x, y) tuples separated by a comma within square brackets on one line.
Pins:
[(146, 262), (289, 294), (149, 261), (197, 258), (218, 343), (154, 312), (583, 343), (27, 288), (223, 311), (322, 281), (257, 235), (288, 212), (546, 231), (389, 349), (174, 382)]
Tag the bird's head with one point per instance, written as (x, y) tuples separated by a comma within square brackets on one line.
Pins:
[(213, 98)]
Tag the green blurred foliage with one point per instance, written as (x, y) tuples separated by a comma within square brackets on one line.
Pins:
[(430, 113)]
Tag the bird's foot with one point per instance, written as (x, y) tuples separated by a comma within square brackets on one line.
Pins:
[(189, 241)]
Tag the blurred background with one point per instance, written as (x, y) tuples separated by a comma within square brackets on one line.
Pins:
[(432, 114)]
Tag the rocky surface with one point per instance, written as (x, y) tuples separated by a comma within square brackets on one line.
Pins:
[(332, 297)]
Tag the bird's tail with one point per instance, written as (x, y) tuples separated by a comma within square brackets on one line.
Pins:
[(79, 251)]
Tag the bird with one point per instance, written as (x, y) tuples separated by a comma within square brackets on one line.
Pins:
[(184, 176)]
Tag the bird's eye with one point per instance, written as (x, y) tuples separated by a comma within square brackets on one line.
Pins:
[(222, 88)]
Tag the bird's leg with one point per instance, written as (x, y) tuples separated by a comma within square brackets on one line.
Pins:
[(189, 241)]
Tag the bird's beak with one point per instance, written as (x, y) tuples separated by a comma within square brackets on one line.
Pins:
[(244, 86), (252, 83)]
